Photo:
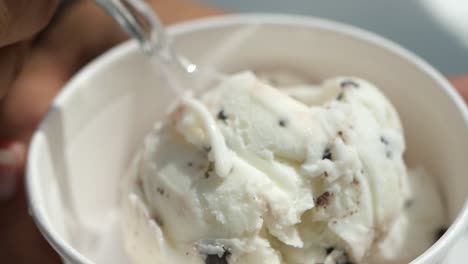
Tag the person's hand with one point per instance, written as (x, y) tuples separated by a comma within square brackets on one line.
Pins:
[(82, 32), (20, 20), (461, 83)]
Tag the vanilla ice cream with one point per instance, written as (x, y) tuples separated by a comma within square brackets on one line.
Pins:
[(248, 173)]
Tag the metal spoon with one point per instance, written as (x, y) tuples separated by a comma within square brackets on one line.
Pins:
[(138, 19)]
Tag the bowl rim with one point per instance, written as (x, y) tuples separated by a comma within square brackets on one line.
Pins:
[(36, 208)]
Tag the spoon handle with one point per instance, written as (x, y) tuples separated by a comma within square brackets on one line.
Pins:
[(138, 19)]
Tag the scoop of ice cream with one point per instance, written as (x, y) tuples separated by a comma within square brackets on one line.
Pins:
[(251, 174)]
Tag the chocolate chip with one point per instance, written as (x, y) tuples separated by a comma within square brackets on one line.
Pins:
[(160, 190), (207, 148), (340, 134), (282, 122), (190, 164), (340, 96), (327, 154), (216, 259), (329, 250), (158, 220), (323, 199), (221, 115), (385, 141), (349, 83), (440, 232), (209, 170)]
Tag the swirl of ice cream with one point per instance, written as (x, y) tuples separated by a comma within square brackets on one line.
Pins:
[(248, 173)]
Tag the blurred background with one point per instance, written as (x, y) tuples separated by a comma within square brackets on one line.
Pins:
[(436, 30)]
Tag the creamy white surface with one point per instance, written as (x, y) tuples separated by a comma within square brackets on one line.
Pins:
[(310, 174)]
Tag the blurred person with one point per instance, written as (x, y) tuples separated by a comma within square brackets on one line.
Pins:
[(33, 68)]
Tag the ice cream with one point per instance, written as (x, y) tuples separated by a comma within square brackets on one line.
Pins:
[(248, 173)]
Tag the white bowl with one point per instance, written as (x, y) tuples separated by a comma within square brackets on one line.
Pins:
[(87, 139)]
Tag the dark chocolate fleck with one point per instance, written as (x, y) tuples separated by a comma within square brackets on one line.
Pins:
[(340, 134), (325, 174), (209, 170), (190, 164), (355, 181), (346, 84), (349, 83), (327, 154), (323, 199), (282, 122), (207, 148), (158, 220), (440, 232), (329, 250), (221, 115), (216, 259), (160, 190), (340, 96), (385, 141)]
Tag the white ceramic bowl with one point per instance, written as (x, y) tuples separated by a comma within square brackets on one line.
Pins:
[(87, 139)]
